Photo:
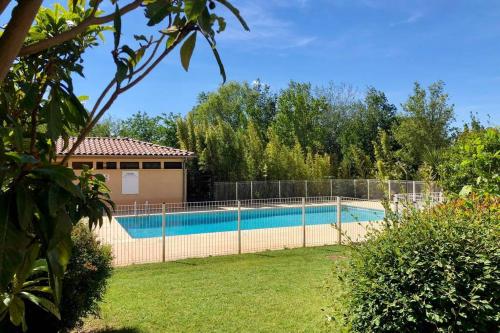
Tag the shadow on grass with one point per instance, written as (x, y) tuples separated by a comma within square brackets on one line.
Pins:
[(182, 262), (115, 330), (266, 254)]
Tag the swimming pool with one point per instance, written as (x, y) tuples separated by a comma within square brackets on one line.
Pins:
[(148, 226)]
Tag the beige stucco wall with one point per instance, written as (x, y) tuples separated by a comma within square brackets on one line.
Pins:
[(155, 185)]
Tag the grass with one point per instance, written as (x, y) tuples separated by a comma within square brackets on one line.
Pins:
[(278, 291)]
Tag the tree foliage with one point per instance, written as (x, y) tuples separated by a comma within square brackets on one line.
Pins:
[(40, 52), (473, 161), (363, 137), (299, 116), (161, 129), (233, 132), (424, 128)]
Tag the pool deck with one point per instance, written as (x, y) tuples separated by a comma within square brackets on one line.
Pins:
[(128, 250)]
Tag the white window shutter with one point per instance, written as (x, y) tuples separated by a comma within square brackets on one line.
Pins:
[(130, 182)]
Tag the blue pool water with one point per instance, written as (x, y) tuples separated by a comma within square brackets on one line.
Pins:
[(147, 226)]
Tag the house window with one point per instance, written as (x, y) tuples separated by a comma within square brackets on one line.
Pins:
[(173, 165), (151, 165), (130, 182), (79, 165), (99, 165), (129, 165), (110, 165)]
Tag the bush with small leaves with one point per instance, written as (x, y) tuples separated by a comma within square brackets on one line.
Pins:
[(84, 284), (436, 270)]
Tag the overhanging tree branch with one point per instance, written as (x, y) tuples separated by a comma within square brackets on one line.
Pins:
[(119, 90), (15, 32), (72, 33), (136, 71)]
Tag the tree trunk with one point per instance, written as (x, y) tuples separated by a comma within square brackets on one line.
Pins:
[(13, 38), (3, 5)]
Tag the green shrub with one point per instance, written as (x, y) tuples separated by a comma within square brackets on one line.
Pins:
[(86, 277), (84, 284), (473, 160), (432, 271)]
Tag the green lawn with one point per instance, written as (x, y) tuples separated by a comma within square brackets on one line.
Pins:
[(278, 291)]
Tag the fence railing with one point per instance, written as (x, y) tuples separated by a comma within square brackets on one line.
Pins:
[(371, 189), (416, 200), (143, 233)]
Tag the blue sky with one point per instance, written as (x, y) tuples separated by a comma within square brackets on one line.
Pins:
[(385, 44)]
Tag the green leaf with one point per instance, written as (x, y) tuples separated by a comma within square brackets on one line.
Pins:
[(193, 9), (25, 206), (75, 111), (117, 25), (37, 281), (62, 176), (60, 238), (13, 244), (138, 56), (204, 22), (211, 41), (39, 265), (128, 50), (219, 62), (54, 116), (156, 11), (53, 201), (61, 233), (187, 50), (58, 257), (40, 289), (31, 91), (235, 12), (170, 41), (121, 71), (43, 303), (222, 24), (140, 37), (21, 158), (27, 265), (16, 311)]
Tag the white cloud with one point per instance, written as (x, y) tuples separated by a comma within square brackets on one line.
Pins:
[(413, 18), (267, 29)]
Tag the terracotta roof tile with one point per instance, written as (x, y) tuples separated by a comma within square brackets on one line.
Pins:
[(102, 146)]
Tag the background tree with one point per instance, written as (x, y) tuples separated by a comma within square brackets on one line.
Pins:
[(299, 114), (424, 128), (473, 160), (158, 129), (107, 127), (254, 152), (386, 163), (335, 120)]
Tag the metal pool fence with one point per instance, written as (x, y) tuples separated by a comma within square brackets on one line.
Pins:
[(143, 233), (416, 200), (370, 189)]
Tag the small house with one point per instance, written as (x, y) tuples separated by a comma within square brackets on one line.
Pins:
[(135, 171)]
